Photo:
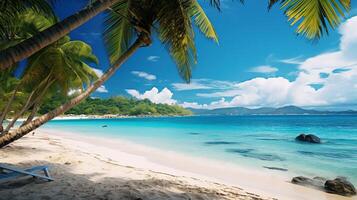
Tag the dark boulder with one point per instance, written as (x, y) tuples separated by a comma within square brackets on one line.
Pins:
[(316, 182), (340, 186), (308, 138)]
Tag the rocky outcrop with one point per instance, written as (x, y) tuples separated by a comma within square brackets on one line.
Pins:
[(308, 138), (316, 182), (340, 186)]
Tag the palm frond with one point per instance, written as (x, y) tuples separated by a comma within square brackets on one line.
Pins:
[(202, 21), (314, 17), (119, 31), (12, 9), (81, 50), (216, 3), (271, 3), (176, 33)]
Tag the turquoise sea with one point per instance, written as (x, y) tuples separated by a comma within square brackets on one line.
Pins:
[(253, 141)]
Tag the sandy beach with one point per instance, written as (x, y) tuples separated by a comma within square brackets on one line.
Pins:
[(96, 168)]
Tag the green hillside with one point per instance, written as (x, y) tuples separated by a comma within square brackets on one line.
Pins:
[(117, 106)]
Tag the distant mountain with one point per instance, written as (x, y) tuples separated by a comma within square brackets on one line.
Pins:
[(287, 110)]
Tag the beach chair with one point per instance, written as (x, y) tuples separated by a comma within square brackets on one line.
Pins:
[(7, 173)]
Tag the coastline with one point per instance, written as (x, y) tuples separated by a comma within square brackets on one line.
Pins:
[(151, 160), (112, 116)]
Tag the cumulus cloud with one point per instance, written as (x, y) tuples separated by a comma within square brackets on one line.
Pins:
[(144, 75), (335, 74), (153, 58), (264, 69), (102, 89), (98, 72), (200, 84), (154, 95)]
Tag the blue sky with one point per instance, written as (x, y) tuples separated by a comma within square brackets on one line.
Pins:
[(259, 62)]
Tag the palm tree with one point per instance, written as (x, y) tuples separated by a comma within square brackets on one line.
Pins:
[(28, 47), (60, 66), (312, 15), (135, 20), (8, 90)]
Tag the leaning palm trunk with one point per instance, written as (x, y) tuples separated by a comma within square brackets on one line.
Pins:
[(30, 102), (28, 47), (20, 113), (32, 114), (7, 108), (11, 136)]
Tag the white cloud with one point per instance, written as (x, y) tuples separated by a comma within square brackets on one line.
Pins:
[(213, 105), (154, 95), (144, 75), (153, 58), (189, 86), (98, 72), (294, 61), (337, 88), (102, 89), (73, 91), (264, 69), (200, 84)]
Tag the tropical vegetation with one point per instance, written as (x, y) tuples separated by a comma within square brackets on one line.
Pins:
[(130, 25), (119, 105)]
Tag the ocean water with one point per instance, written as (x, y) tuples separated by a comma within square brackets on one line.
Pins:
[(253, 141)]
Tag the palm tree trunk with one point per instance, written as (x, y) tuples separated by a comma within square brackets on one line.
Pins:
[(36, 105), (32, 115), (20, 113), (7, 108), (30, 102), (11, 136), (26, 48)]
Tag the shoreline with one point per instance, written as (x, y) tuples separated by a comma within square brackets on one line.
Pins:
[(121, 169), (168, 162), (78, 117), (110, 116)]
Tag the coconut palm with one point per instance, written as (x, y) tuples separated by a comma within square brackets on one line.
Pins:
[(130, 26), (312, 15), (28, 23), (60, 66), (30, 46), (8, 90)]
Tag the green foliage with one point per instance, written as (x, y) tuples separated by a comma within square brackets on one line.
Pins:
[(63, 62), (172, 21), (116, 105), (314, 17), (8, 84), (57, 68), (14, 25)]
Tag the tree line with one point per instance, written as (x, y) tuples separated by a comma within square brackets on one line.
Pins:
[(118, 105)]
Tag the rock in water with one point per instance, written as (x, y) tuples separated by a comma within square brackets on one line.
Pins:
[(301, 137), (340, 186), (316, 182), (308, 138)]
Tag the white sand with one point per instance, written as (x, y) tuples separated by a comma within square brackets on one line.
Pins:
[(96, 168)]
